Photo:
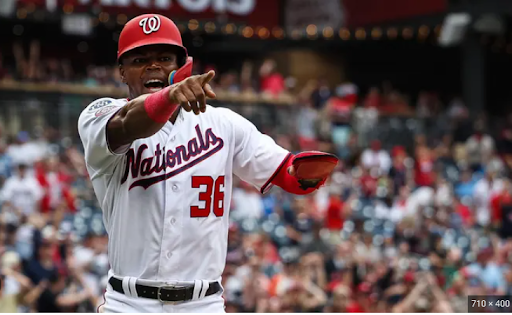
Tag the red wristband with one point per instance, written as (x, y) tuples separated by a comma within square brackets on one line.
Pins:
[(158, 107)]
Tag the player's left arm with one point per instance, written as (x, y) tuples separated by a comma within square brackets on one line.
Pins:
[(261, 162)]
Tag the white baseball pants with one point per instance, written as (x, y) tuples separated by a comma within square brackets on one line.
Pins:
[(116, 302)]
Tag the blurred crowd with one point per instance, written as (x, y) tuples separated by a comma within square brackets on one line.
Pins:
[(396, 229), (399, 227), (52, 245)]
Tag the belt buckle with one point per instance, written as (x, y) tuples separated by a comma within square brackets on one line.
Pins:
[(170, 288)]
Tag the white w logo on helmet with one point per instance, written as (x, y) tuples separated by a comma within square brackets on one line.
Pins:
[(150, 25)]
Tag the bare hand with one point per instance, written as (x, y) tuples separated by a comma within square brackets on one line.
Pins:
[(192, 92), (431, 279), (43, 284)]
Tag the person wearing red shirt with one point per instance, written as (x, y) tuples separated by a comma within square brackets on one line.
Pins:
[(464, 212), (55, 183), (398, 172), (373, 99), (424, 174), (368, 183), (335, 217), (501, 205), (270, 80)]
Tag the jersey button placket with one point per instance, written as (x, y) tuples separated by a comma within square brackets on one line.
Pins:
[(172, 231)]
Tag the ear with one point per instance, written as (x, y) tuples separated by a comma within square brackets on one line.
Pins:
[(121, 72)]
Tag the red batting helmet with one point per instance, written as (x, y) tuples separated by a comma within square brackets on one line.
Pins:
[(150, 29)]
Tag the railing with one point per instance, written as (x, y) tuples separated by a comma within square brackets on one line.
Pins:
[(32, 106)]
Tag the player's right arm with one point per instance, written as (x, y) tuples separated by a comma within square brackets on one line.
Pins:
[(143, 116), (130, 123)]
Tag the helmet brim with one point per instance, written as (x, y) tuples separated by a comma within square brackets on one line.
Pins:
[(154, 41)]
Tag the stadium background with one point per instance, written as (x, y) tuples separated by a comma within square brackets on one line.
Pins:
[(417, 216)]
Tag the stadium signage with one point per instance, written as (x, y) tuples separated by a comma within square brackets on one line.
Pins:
[(240, 7), (252, 12), (367, 12)]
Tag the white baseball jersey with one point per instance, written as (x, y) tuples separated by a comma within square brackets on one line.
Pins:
[(166, 198)]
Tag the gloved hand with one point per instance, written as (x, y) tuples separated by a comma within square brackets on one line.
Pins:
[(311, 168)]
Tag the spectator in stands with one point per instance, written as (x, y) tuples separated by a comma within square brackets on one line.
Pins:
[(271, 81), (53, 181), (393, 102), (480, 146), (504, 143), (306, 125), (255, 287), (305, 297), (487, 271), (58, 296), (247, 202), (91, 78), (507, 288), (316, 247), (484, 190), (228, 82), (15, 284), (464, 211), (29, 69), (445, 163), (368, 183), (22, 193), (340, 299), (399, 172), (457, 109), (466, 186), (501, 205), (373, 98), (424, 171), (6, 164), (115, 78), (337, 210), (42, 265), (376, 157), (366, 251), (247, 81), (7, 301), (339, 109), (26, 151), (428, 105), (320, 94), (53, 71)]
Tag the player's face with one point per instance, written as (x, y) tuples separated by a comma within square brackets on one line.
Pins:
[(146, 70)]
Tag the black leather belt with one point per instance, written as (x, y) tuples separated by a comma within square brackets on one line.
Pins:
[(165, 293)]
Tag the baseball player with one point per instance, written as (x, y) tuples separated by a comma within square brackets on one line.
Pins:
[(162, 164)]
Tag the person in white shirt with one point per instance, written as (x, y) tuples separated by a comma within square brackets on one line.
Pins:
[(247, 202), (375, 157), (480, 146), (22, 192), (485, 188), (26, 151)]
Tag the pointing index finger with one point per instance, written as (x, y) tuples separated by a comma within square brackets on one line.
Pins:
[(207, 77)]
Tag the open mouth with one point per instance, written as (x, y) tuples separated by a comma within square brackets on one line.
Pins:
[(154, 85)]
